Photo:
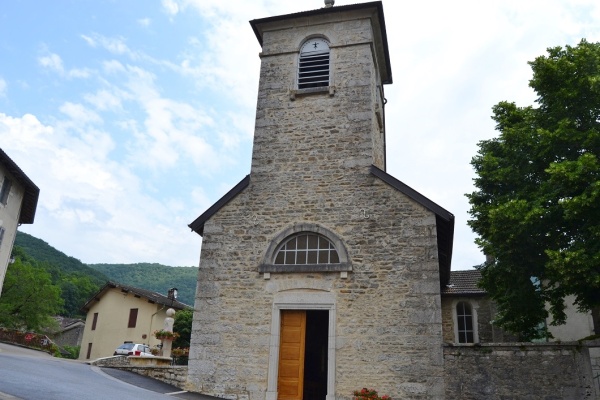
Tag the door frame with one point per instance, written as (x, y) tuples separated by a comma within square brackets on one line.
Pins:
[(301, 301)]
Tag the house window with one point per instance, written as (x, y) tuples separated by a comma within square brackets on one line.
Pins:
[(464, 319), (306, 248), (6, 185), (313, 66), (133, 313), (89, 351), (95, 321)]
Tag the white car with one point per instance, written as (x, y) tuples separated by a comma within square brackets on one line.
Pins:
[(133, 349)]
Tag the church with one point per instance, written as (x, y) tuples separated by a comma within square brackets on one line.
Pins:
[(321, 273)]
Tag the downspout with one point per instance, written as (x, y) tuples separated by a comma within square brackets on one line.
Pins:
[(151, 318)]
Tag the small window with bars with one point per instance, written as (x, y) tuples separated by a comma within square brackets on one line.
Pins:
[(305, 249), (313, 66)]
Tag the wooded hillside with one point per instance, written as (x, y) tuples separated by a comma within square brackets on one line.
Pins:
[(79, 281)]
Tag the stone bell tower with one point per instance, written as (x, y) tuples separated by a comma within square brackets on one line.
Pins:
[(320, 273), (321, 96)]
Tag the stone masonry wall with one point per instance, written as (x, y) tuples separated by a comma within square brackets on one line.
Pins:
[(310, 165), (173, 375), (485, 309), (518, 371)]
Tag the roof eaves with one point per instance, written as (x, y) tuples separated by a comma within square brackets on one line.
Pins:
[(412, 193), (147, 294), (326, 10), (32, 192), (444, 221), (198, 224)]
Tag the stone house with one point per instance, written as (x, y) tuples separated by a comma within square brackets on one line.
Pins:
[(118, 313), (467, 315), (320, 272), (18, 203), (70, 332)]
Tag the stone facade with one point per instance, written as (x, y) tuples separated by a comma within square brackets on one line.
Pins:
[(312, 171), (519, 371)]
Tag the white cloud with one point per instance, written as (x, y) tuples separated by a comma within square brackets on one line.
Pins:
[(114, 45), (145, 22), (170, 6), (52, 62), (104, 100), (79, 114)]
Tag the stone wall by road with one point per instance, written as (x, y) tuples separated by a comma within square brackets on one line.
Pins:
[(173, 375), (519, 371)]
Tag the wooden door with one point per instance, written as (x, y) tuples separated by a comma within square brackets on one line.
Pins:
[(290, 382)]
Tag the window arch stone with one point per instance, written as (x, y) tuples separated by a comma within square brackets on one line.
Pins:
[(269, 265), (464, 314)]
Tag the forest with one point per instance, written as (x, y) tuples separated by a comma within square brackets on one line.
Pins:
[(62, 284)]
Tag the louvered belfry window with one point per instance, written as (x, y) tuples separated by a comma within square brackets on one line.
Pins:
[(313, 68)]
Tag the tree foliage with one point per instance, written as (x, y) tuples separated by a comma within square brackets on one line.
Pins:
[(153, 276), (183, 326), (29, 299), (536, 209)]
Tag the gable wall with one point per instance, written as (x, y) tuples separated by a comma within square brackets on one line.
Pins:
[(388, 309), (9, 219), (113, 317)]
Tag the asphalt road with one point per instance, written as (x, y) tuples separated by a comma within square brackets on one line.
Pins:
[(27, 374)]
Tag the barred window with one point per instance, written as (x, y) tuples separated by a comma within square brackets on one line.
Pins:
[(313, 66), (306, 248)]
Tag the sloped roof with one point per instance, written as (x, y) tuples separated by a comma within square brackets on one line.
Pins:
[(32, 192), (443, 218), (464, 283), (151, 296), (198, 224), (68, 323)]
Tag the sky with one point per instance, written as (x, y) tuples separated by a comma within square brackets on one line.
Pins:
[(133, 117)]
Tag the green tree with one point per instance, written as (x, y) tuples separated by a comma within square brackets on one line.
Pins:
[(29, 299), (183, 326), (536, 209)]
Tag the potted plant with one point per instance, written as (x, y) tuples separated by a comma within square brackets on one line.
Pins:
[(162, 334), (369, 394)]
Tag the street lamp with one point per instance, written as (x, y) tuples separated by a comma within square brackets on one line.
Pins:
[(172, 295)]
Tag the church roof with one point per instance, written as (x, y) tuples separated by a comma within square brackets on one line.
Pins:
[(380, 31), (463, 283), (32, 192), (198, 224), (443, 218)]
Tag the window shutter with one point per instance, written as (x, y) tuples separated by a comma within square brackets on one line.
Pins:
[(133, 313), (4, 192)]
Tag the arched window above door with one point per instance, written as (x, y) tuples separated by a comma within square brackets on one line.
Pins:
[(305, 248)]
